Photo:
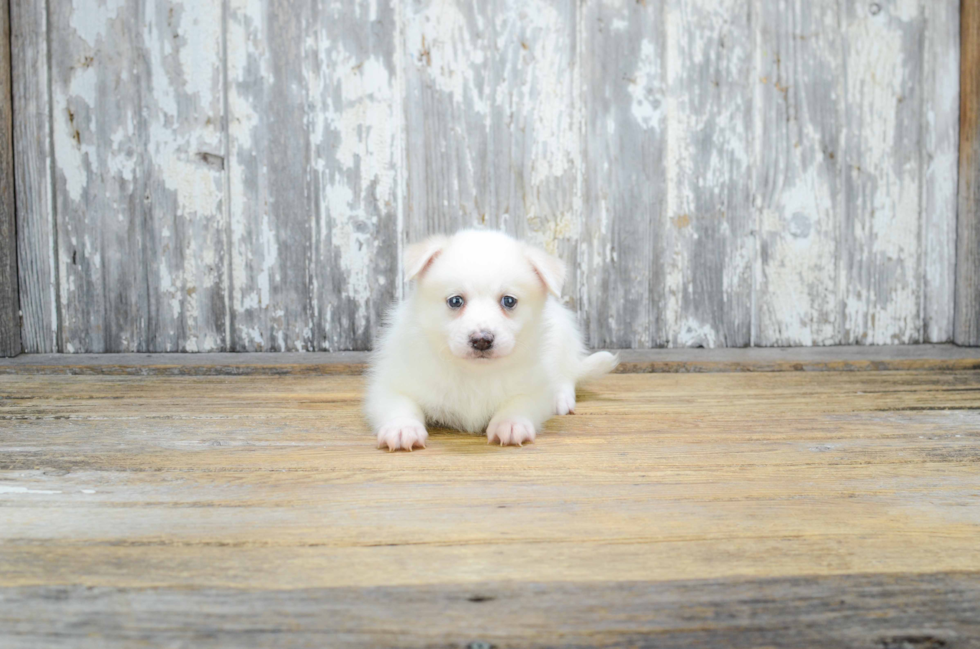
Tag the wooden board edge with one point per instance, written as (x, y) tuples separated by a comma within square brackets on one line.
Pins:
[(801, 359)]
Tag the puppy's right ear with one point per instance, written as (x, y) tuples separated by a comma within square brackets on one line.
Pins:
[(420, 256)]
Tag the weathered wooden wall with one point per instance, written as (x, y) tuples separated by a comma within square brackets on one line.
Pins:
[(242, 174)]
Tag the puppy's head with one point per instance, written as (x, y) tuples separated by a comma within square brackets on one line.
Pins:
[(480, 294)]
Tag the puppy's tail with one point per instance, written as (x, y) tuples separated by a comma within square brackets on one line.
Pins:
[(597, 364)]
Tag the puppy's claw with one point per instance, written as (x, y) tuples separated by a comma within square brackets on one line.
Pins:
[(511, 432)]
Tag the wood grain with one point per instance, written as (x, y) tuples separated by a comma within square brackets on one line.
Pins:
[(10, 344), (967, 327), (892, 612), (492, 135), (359, 176), (687, 505), (37, 247), (624, 79), (99, 182), (709, 57), (881, 281), (798, 172), (940, 147), (270, 168), (314, 147), (182, 166)]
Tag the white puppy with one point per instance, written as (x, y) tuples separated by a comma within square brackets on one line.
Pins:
[(481, 343)]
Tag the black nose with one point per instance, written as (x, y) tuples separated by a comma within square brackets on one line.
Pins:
[(481, 340)]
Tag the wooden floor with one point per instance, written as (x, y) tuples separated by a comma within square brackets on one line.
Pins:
[(706, 510)]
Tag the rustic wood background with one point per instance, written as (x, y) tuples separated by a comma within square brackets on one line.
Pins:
[(241, 174)]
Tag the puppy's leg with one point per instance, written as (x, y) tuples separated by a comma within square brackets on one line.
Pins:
[(565, 399), (399, 421), (518, 420)]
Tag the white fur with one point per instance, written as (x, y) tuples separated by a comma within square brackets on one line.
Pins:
[(426, 370)]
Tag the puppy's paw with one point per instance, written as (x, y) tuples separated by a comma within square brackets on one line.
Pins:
[(402, 434), (510, 430), (565, 400)]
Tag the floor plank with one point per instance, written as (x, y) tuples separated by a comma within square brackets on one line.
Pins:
[(674, 509)]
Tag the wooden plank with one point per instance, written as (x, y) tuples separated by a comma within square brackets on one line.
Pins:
[(448, 94), (894, 611), (709, 134), (314, 127), (967, 325), (683, 360), (10, 344), (624, 192), (270, 168), (880, 243), (797, 178), (356, 139), (677, 507), (98, 179), (533, 127), (181, 129), (940, 143), (36, 231)]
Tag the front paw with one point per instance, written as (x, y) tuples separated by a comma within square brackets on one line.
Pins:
[(510, 430), (402, 434)]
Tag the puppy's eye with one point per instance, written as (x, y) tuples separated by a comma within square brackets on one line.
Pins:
[(508, 301), (456, 302)]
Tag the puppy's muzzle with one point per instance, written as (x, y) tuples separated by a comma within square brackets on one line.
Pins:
[(481, 341)]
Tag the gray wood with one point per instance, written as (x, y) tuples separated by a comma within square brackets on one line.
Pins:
[(967, 326), (880, 245), (764, 359), (244, 176), (624, 97), (448, 94), (137, 115), (940, 145), (270, 167), (314, 134), (917, 611), (181, 130), (100, 189), (492, 135), (10, 344), (710, 130), (533, 127), (797, 156), (36, 234), (356, 144)]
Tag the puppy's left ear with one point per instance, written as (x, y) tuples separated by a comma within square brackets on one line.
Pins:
[(419, 255), (550, 269)]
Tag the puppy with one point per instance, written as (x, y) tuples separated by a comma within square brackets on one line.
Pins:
[(481, 343)]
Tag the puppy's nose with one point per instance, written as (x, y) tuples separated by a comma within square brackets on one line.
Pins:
[(481, 340)]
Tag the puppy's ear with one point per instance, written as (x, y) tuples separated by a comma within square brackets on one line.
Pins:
[(419, 255), (549, 268)]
